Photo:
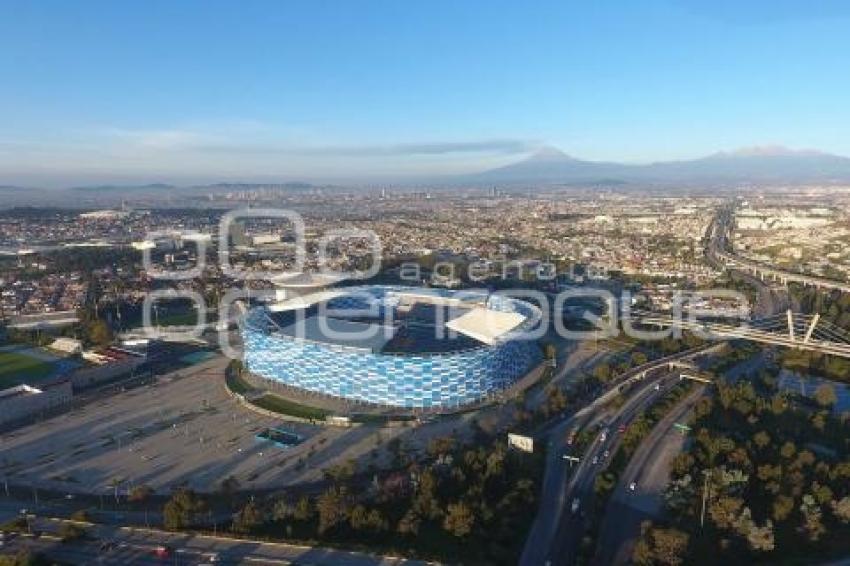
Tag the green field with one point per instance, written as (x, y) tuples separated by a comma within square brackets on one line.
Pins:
[(15, 368), (237, 384), (284, 407)]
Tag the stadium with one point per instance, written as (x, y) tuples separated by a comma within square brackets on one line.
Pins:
[(393, 346)]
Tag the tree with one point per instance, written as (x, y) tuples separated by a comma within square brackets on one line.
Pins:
[(825, 395), (359, 518), (140, 493), (822, 493), (69, 532), (782, 507), (639, 358), (179, 511), (459, 519), (98, 332), (303, 510), (556, 401), (333, 508), (229, 487), (602, 372), (409, 523), (25, 558), (235, 367), (604, 483), (669, 546), (761, 439), (341, 473), (812, 518), (660, 546), (841, 509), (362, 519), (441, 446), (248, 518), (282, 509), (425, 503), (762, 538), (725, 510)]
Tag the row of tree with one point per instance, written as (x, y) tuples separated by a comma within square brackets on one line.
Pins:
[(451, 503), (766, 476)]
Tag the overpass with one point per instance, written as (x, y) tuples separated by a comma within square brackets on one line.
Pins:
[(763, 272), (788, 329), (717, 250)]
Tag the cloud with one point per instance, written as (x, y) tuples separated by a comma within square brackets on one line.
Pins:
[(244, 149), (499, 146), (250, 139)]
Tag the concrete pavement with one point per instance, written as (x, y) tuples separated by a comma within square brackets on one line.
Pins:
[(106, 544), (649, 469), (555, 494)]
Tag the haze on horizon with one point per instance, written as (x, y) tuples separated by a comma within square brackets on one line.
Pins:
[(99, 92)]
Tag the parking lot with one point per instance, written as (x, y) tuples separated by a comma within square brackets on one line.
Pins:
[(183, 429)]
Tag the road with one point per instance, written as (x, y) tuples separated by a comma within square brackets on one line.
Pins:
[(580, 486), (556, 491), (649, 470), (770, 299), (111, 545)]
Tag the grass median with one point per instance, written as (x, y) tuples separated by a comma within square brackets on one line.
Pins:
[(271, 402)]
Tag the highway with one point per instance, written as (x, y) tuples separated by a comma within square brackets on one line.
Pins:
[(544, 543), (580, 486), (557, 531), (770, 300), (648, 469), (555, 494), (112, 545)]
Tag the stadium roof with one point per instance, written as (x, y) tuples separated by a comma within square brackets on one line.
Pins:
[(436, 298), (342, 332), (306, 280), (485, 325), (305, 301)]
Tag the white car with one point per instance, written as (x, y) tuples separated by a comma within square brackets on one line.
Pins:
[(576, 504), (632, 486)]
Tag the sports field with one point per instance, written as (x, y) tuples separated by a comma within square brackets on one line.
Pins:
[(16, 368)]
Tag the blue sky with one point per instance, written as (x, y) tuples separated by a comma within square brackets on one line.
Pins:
[(180, 90)]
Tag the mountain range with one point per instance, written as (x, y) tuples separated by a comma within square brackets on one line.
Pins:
[(547, 166), (756, 164)]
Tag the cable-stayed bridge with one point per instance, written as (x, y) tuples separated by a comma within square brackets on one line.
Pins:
[(788, 329)]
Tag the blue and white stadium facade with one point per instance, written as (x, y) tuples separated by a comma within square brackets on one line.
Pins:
[(395, 346)]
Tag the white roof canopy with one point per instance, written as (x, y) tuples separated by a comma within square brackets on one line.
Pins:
[(485, 325), (305, 301)]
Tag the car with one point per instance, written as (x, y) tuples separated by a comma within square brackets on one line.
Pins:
[(575, 505), (162, 551), (632, 486), (106, 545), (657, 386), (595, 460), (606, 454), (622, 428)]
